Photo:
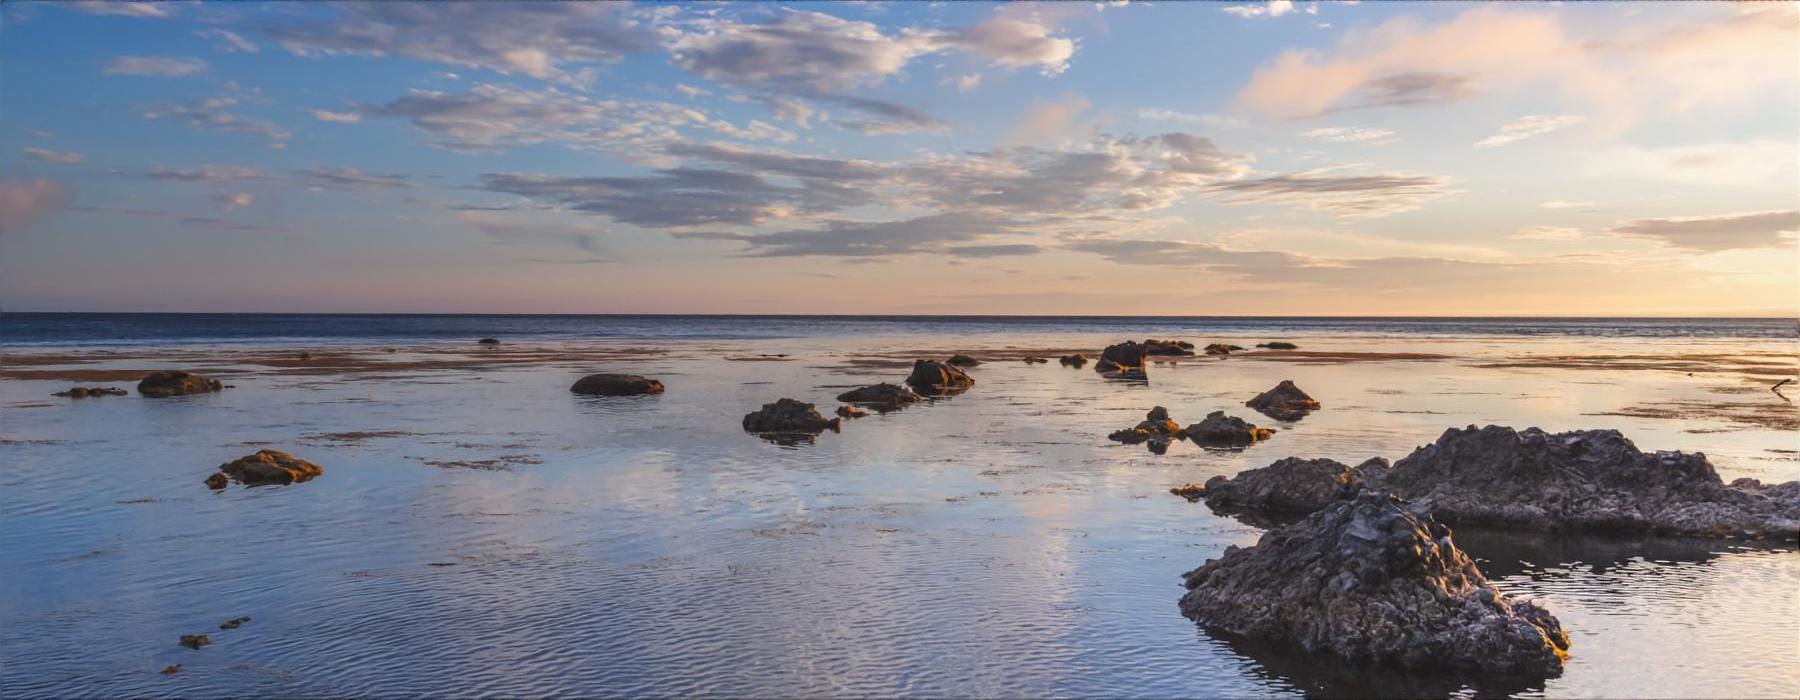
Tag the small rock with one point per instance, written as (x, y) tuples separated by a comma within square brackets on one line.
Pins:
[(1156, 428), (787, 416), (616, 385), (488, 341), (1222, 349), (217, 481), (851, 412), (82, 392), (1178, 348), (1222, 430), (195, 641), (176, 383), (1035, 360), (171, 669), (930, 376), (234, 623), (1077, 360), (1284, 402), (268, 467), (1278, 345), (1190, 491), (963, 361), (881, 397)]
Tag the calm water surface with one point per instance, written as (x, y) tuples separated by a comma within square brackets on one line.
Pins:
[(989, 544)]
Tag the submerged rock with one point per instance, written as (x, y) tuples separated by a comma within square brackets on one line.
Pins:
[(234, 623), (851, 412), (195, 641), (1373, 581), (176, 383), (790, 417), (881, 397), (1077, 360), (616, 385), (1284, 402), (1192, 492), (1222, 349), (962, 361), (1289, 485), (1179, 348), (488, 341), (1035, 360), (171, 669), (268, 467), (931, 376), (82, 392), (1278, 345), (1222, 430)]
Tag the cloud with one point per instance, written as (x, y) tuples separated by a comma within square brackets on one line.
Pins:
[(968, 82), (1548, 233), (210, 173), (337, 117), (350, 179), (544, 40), (1272, 8), (155, 66), (1711, 234), (863, 239), (213, 114), (1564, 204), (232, 201), (1759, 164), (145, 10), (1018, 42), (1213, 121), (1179, 254), (1344, 195), (1045, 121), (25, 201), (672, 198), (1351, 134), (1529, 126), (228, 41), (49, 156)]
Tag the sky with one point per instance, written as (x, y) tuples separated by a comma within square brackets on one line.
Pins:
[(1119, 158)]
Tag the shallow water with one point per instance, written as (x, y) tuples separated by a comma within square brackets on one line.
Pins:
[(993, 543)]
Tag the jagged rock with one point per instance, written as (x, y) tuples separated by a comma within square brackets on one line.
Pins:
[(1035, 360), (1223, 430), (1585, 480), (790, 417), (1077, 360), (851, 412), (1284, 402), (195, 641), (1192, 492), (268, 467), (616, 385), (1290, 485), (1372, 581), (962, 361), (931, 376), (1156, 424), (881, 397), (82, 392), (176, 383), (488, 341), (1278, 345), (1222, 349), (1178, 348)]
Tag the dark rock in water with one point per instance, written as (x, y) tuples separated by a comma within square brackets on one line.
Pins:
[(176, 383), (268, 467), (881, 397), (234, 623), (1222, 349), (195, 641), (171, 669), (790, 417), (1192, 492), (1278, 345), (1374, 581), (82, 392), (1228, 431), (1290, 485), (1585, 480), (1123, 356), (1077, 360), (851, 412), (1176, 348), (488, 341), (217, 481), (1156, 427), (1284, 402), (933, 377), (616, 385), (962, 361), (1035, 360)]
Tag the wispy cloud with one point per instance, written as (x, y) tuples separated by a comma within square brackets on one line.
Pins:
[(1529, 126), (156, 66), (1711, 234), (215, 114), (1351, 134), (1337, 192), (49, 156)]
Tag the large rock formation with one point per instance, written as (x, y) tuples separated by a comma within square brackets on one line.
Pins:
[(176, 383), (616, 385), (1220, 430), (1284, 402), (933, 377), (1373, 581), (266, 467), (787, 417), (881, 397), (1289, 485)]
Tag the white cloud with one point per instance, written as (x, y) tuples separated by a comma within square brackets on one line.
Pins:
[(1711, 234), (1351, 134), (49, 156), (1339, 191), (1529, 126), (338, 117), (232, 201), (1214, 121), (155, 66), (228, 41), (1271, 8), (1548, 233), (968, 82), (146, 10), (214, 114), (1564, 204)]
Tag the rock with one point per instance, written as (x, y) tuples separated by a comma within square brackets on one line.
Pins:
[(1373, 581), (931, 376), (269, 467), (1594, 480), (176, 383), (1222, 349), (234, 623), (1077, 360), (962, 361), (1035, 360), (616, 385), (1156, 424), (1278, 345), (1223, 430), (1284, 402), (82, 392), (1123, 356), (881, 397), (488, 341), (787, 416), (1177, 348), (851, 412), (217, 481), (1289, 485), (171, 669), (194, 641), (1192, 492)]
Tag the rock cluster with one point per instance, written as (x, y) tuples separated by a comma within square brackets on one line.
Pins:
[(933, 377), (266, 467), (176, 383), (1284, 402), (1221, 430), (1077, 360), (1373, 581), (787, 417), (881, 397), (82, 392), (616, 385), (1168, 348)]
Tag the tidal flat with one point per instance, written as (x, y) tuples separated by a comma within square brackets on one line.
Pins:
[(479, 530)]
